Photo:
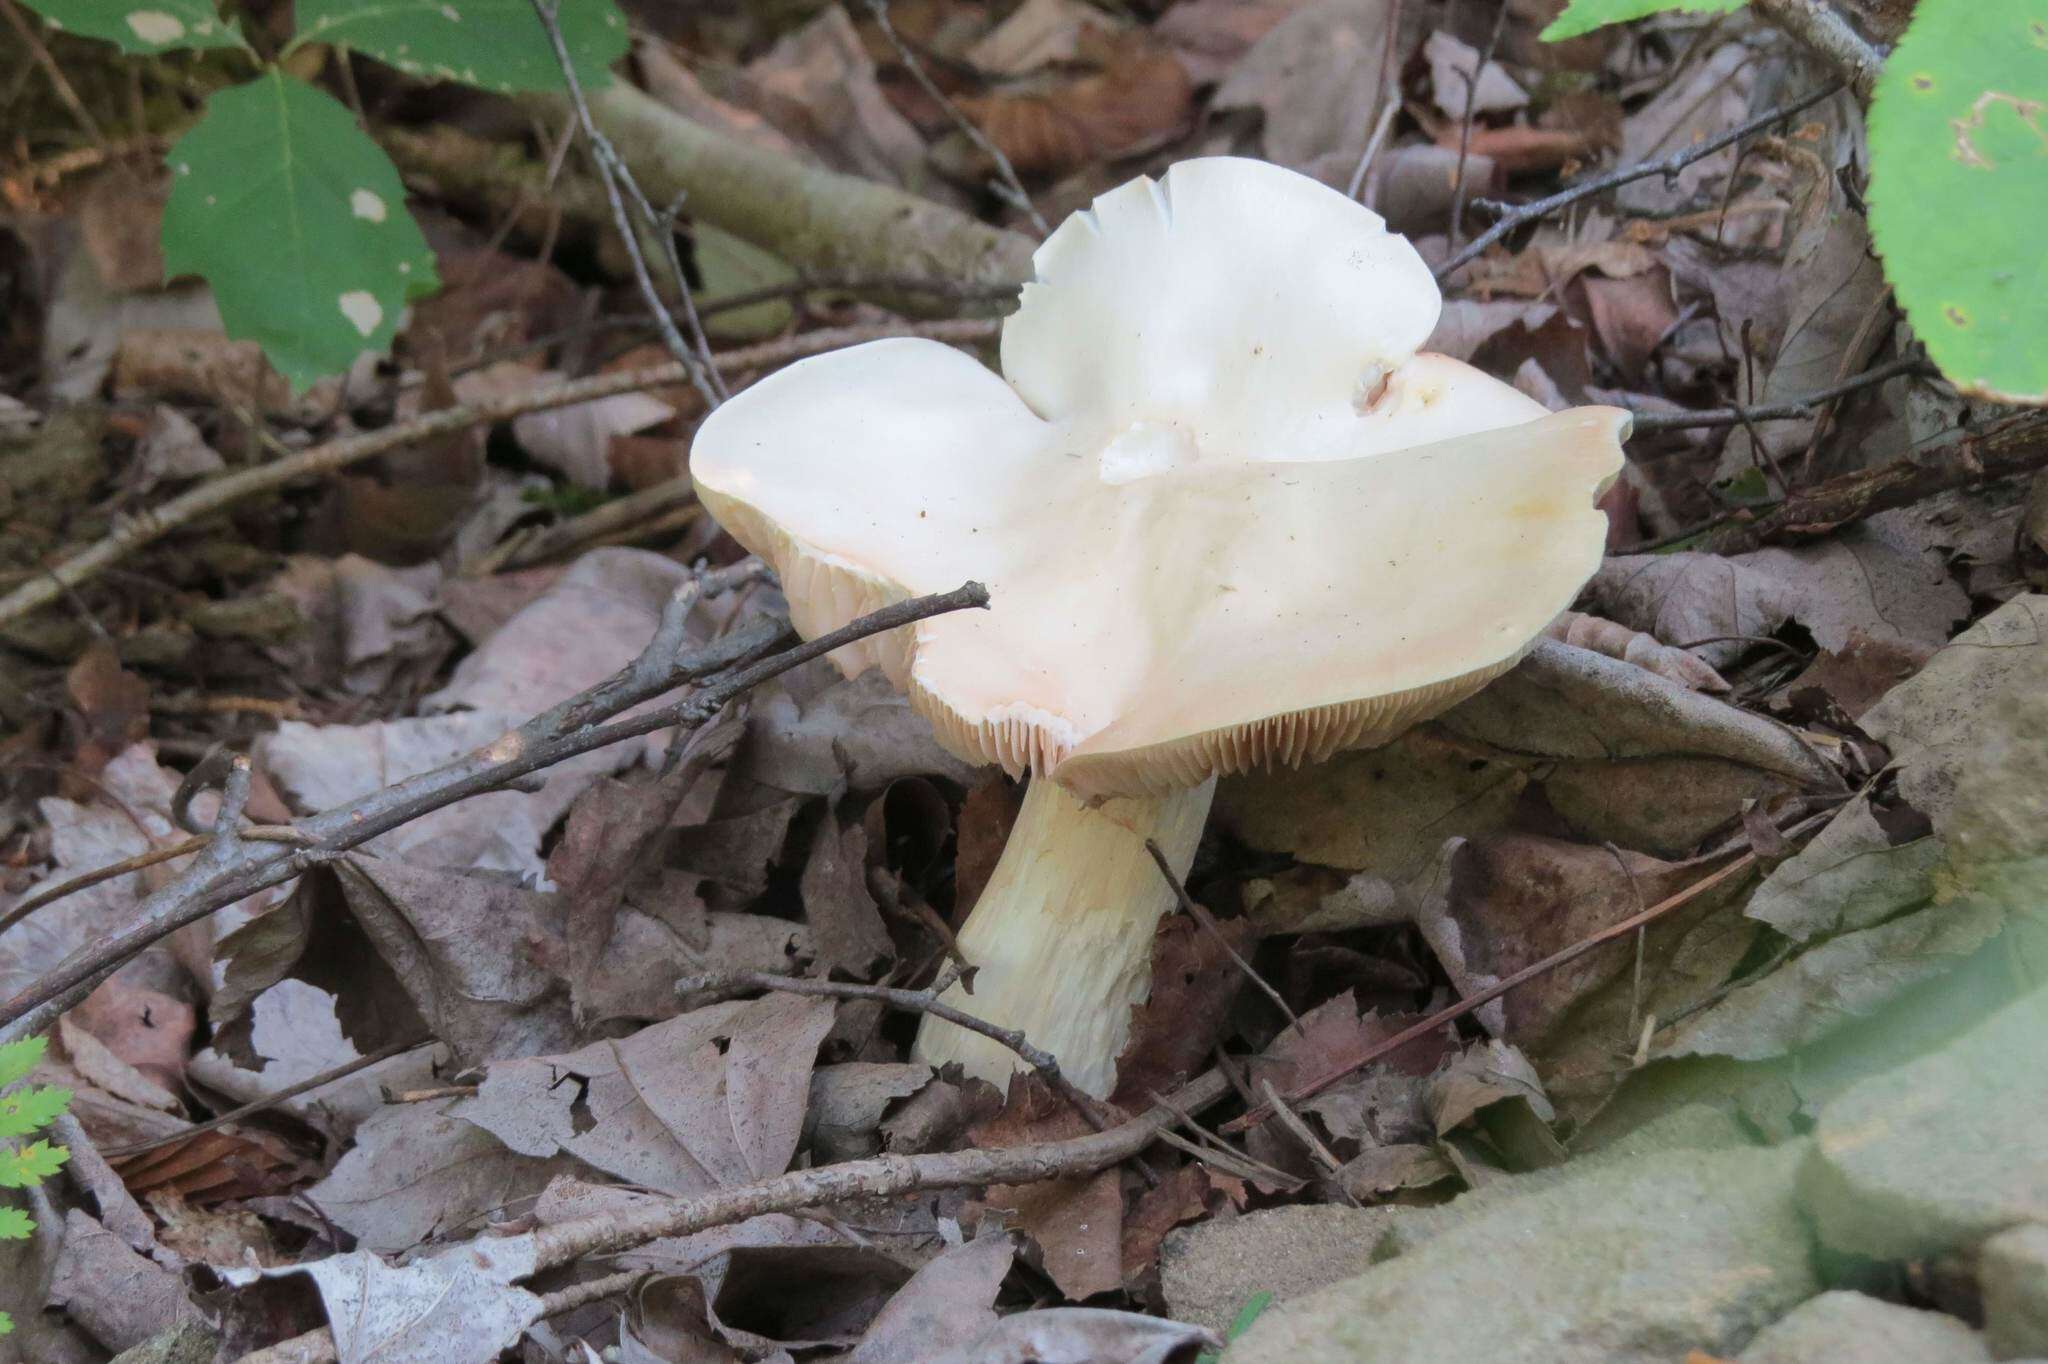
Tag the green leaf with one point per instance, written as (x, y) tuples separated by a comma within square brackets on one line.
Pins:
[(1959, 190), (144, 27), (498, 44), (1246, 1315), (6, 1324), (298, 221), (32, 1164), (16, 1225), (19, 1058), (1583, 16), (24, 1110)]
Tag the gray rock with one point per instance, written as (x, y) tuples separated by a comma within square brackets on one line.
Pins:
[(1836, 1327), (189, 1342), (1635, 1261), (2012, 1271), (1210, 1269), (1940, 1153)]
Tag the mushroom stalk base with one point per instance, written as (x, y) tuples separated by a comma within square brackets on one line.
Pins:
[(1062, 934)]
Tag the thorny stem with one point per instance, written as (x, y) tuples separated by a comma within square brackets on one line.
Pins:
[(1642, 170), (230, 869), (612, 172)]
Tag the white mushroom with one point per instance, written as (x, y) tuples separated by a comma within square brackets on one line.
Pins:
[(1227, 515)]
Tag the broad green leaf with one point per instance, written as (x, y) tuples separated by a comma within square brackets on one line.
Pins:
[(1959, 190), (298, 221), (144, 27), (1583, 16), (19, 1058), (22, 1166), (16, 1225), (6, 1324), (24, 1110), (498, 44)]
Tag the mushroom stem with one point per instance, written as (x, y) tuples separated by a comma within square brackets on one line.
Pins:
[(1062, 934)]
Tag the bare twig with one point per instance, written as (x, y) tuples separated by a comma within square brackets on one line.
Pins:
[(1788, 410), (1821, 27), (229, 869), (1100, 1115), (1458, 186), (693, 355), (1642, 170), (1443, 1017), (2017, 445), (212, 496), (1013, 187), (1195, 910), (877, 1177), (247, 1110), (1372, 147), (151, 858)]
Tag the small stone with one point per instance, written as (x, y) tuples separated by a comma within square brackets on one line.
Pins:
[(1211, 1269), (1938, 1154), (1633, 1262), (1840, 1326), (2012, 1271)]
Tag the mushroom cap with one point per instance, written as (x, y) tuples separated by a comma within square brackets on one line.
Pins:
[(1227, 515)]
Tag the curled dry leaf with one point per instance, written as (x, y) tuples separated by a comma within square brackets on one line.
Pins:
[(1139, 96)]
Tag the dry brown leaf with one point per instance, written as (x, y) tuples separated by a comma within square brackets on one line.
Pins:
[(1139, 97), (145, 1028), (1077, 1225), (1210, 35), (113, 708)]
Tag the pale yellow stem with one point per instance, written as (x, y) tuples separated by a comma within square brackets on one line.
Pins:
[(1062, 934)]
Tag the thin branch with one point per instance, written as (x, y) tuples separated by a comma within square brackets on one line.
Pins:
[(2018, 445), (1788, 410), (1821, 27), (152, 525), (1470, 1003), (249, 1110), (1016, 193), (1614, 179), (1458, 185), (877, 1177), (1099, 1115), (693, 355), (727, 667), (1201, 915), (69, 97)]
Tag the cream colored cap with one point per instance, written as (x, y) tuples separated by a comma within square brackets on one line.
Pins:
[(1226, 514)]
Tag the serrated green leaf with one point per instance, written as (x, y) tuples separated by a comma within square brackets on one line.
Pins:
[(497, 44), (1959, 190), (19, 1058), (144, 27), (16, 1225), (1583, 16), (24, 1110), (22, 1166), (298, 221)]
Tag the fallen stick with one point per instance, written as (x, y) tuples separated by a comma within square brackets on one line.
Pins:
[(152, 524), (876, 1177)]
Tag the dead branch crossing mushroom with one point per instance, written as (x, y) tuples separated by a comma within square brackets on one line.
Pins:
[(1228, 517)]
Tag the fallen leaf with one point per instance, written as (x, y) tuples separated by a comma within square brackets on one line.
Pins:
[(801, 1297), (1210, 35), (417, 1172), (460, 1306), (119, 1297), (575, 441), (846, 926), (843, 1118), (1461, 86), (1187, 1013), (1077, 1226), (1179, 1197), (947, 1304), (1037, 33), (113, 707), (1140, 96), (712, 1097), (1485, 1073), (1318, 77), (172, 450), (818, 87), (1082, 1335), (366, 624)]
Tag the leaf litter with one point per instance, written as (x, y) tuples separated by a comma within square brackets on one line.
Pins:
[(1850, 700)]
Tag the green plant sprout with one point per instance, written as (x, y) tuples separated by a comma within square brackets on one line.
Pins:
[(25, 1109), (280, 201), (1958, 180)]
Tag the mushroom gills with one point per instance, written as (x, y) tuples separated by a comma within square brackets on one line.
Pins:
[(1061, 937)]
